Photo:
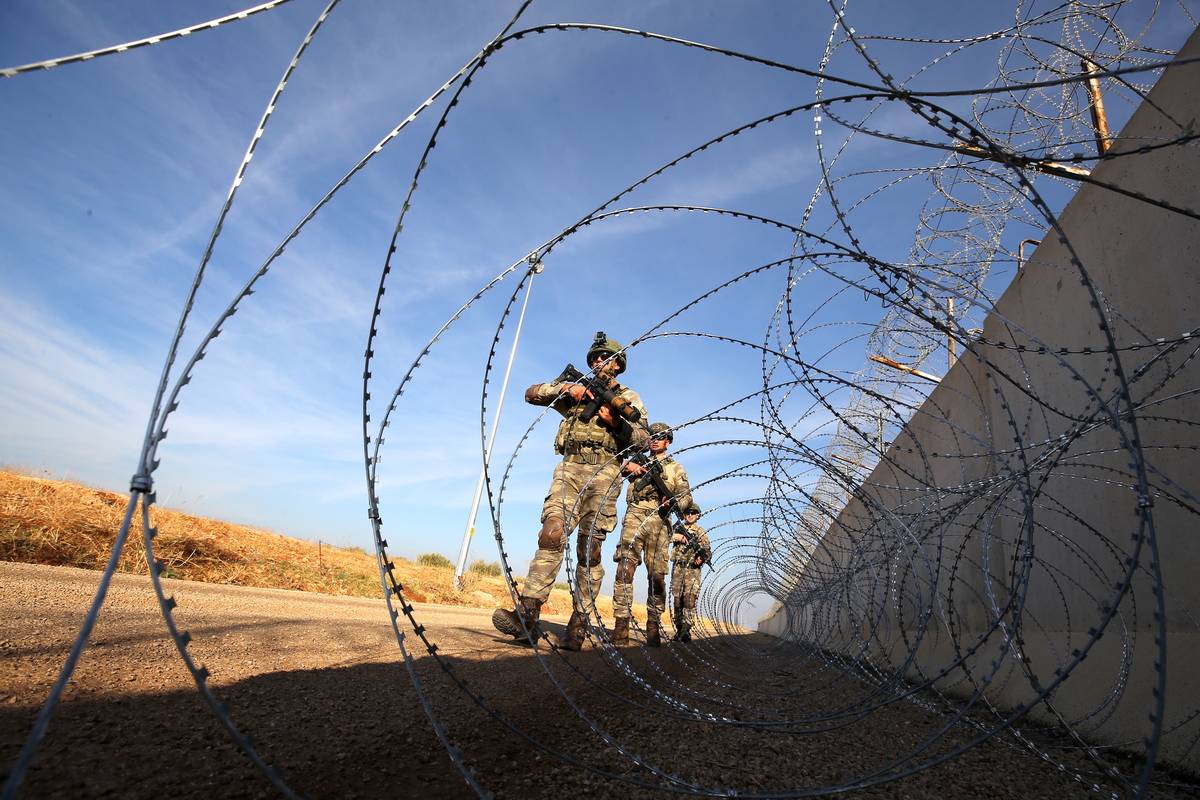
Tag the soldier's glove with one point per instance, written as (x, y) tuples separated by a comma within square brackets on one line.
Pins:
[(606, 416)]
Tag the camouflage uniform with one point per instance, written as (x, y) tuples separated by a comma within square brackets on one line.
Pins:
[(582, 493), (645, 534), (685, 577)]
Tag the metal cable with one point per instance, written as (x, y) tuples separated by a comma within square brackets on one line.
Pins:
[(910, 551)]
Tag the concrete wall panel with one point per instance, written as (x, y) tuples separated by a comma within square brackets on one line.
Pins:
[(988, 544)]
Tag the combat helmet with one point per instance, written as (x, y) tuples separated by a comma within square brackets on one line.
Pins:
[(661, 430), (692, 509), (607, 348)]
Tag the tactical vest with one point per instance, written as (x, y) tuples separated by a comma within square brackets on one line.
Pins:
[(574, 434), (646, 493), (682, 552)]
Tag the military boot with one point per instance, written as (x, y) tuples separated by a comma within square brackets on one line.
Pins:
[(509, 622), (620, 634), (652, 637), (685, 633), (573, 640)]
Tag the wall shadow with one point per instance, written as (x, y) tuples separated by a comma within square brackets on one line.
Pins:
[(359, 732)]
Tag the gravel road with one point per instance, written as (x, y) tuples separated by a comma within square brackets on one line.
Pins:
[(319, 682)]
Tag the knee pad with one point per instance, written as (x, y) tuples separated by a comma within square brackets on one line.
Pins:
[(551, 535), (689, 601), (625, 569), (658, 584), (587, 550)]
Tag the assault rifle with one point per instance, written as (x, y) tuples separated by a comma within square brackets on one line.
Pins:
[(602, 394), (693, 542), (653, 474)]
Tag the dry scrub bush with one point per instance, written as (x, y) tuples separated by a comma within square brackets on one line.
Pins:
[(60, 523), (65, 524), (482, 567), (435, 560)]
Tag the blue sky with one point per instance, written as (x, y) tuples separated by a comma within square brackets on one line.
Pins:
[(115, 171)]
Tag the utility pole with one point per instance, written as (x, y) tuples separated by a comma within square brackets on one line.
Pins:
[(950, 353), (1096, 105), (469, 533)]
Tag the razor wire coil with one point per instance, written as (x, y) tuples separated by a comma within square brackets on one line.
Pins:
[(882, 586)]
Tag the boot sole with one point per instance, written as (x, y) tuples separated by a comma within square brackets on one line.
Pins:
[(502, 622)]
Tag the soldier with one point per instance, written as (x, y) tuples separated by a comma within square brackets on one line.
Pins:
[(583, 491), (689, 555), (645, 531)]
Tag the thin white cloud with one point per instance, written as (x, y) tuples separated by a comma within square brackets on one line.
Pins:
[(763, 171), (66, 395), (716, 186)]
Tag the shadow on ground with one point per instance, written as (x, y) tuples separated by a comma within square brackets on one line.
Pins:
[(358, 731)]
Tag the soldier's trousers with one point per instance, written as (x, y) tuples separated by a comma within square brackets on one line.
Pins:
[(644, 535), (685, 588), (583, 495)]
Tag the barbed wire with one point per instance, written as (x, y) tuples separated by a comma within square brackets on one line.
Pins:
[(51, 63), (919, 535)]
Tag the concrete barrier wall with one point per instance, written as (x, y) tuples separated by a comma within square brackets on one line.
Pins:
[(988, 544)]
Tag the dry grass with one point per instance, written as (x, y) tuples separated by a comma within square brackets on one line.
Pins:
[(61, 523)]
